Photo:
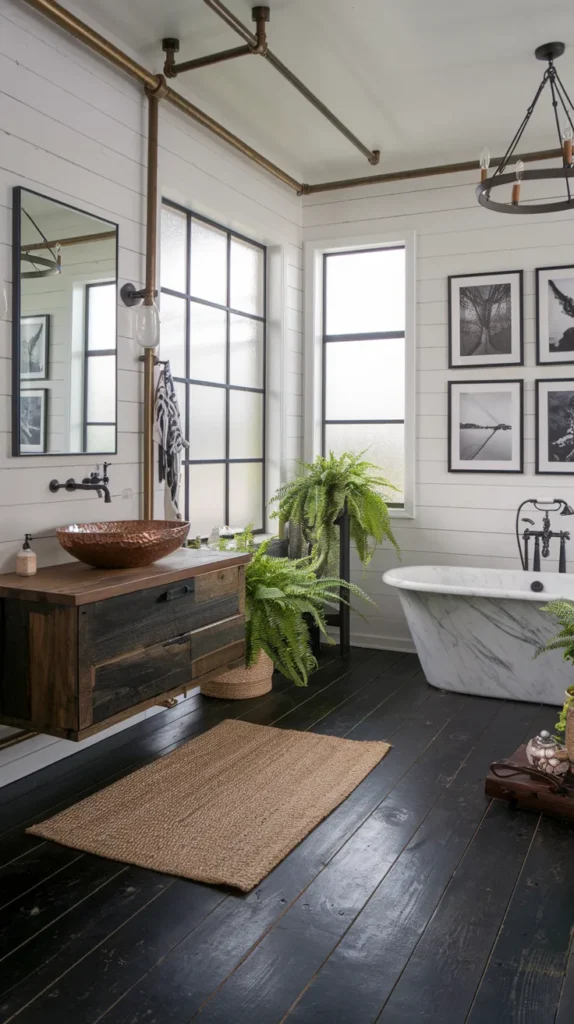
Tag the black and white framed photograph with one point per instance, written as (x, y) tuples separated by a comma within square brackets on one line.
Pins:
[(555, 426), (33, 420), (485, 426), (35, 347), (555, 315), (485, 320)]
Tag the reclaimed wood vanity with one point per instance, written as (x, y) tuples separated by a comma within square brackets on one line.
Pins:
[(83, 648)]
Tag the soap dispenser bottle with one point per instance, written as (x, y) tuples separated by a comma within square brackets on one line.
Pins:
[(26, 564)]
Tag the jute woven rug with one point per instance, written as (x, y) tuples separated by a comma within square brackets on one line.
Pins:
[(224, 808)]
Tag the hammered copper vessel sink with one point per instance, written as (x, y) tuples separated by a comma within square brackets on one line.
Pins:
[(122, 544)]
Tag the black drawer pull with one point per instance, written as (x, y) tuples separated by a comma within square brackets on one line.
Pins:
[(177, 641), (177, 592)]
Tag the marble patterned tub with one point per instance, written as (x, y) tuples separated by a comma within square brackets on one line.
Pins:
[(477, 630)]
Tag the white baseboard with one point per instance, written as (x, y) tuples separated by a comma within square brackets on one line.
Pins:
[(383, 643)]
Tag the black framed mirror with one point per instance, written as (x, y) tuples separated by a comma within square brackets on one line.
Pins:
[(64, 337)]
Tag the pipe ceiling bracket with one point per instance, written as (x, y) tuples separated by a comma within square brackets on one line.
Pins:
[(375, 157)]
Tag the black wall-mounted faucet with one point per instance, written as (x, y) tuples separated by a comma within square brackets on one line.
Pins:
[(93, 482), (544, 535)]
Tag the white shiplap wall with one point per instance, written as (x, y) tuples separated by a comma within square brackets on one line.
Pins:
[(74, 129), (461, 519)]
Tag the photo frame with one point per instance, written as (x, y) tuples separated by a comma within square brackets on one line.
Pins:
[(33, 421), (486, 426), (485, 320), (555, 315), (35, 347), (555, 426)]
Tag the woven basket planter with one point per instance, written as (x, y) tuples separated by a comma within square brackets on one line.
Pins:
[(569, 737), (242, 683)]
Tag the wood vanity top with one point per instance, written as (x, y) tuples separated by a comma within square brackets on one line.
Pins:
[(74, 583)]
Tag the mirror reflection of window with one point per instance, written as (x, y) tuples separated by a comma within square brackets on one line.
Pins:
[(66, 302)]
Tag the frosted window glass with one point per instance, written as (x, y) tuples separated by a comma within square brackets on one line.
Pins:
[(246, 361), (208, 330), (206, 422), (206, 499), (365, 380), (247, 266), (208, 263), (180, 392), (245, 425), (245, 494), (101, 439), (173, 249), (173, 333), (101, 397), (101, 316), (385, 444), (365, 292)]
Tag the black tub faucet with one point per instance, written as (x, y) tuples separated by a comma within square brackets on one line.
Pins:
[(93, 482), (542, 537)]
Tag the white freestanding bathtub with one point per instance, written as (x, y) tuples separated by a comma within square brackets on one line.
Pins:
[(477, 630)]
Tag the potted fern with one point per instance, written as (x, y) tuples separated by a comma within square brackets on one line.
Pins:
[(314, 501), (563, 612), (279, 593)]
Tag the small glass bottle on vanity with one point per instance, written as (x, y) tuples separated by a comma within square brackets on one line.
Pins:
[(26, 563)]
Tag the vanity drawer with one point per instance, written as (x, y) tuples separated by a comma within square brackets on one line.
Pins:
[(139, 676), (121, 624)]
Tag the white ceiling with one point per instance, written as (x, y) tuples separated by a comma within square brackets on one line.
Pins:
[(426, 81)]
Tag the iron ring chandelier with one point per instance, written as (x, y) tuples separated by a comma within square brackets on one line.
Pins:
[(504, 177)]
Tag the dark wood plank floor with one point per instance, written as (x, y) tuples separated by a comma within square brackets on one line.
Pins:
[(416, 900)]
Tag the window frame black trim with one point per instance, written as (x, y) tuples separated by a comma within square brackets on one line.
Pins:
[(188, 381), (327, 339)]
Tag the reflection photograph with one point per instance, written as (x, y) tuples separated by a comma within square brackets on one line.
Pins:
[(33, 412), (34, 347)]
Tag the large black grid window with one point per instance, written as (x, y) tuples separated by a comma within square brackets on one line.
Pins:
[(99, 426), (213, 331), (364, 358)]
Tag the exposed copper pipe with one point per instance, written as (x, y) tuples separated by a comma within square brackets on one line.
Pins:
[(154, 96), (77, 28), (77, 240), (99, 44), (172, 69), (19, 737), (420, 172), (233, 22), (372, 155)]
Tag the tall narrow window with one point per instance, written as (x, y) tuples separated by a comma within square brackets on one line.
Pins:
[(364, 359), (213, 313), (100, 367)]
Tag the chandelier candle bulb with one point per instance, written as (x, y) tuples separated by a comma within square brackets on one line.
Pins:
[(567, 137), (484, 163), (516, 186)]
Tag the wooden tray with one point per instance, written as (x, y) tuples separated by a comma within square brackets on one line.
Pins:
[(554, 797)]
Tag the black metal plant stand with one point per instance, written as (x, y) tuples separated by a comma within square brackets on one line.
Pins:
[(342, 618)]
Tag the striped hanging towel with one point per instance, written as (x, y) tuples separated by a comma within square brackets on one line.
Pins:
[(169, 435)]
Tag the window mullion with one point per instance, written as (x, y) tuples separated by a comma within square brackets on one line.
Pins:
[(227, 379)]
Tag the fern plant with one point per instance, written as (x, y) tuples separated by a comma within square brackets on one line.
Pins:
[(314, 501), (563, 612), (279, 593)]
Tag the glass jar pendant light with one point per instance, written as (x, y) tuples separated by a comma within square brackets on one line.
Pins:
[(510, 173)]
